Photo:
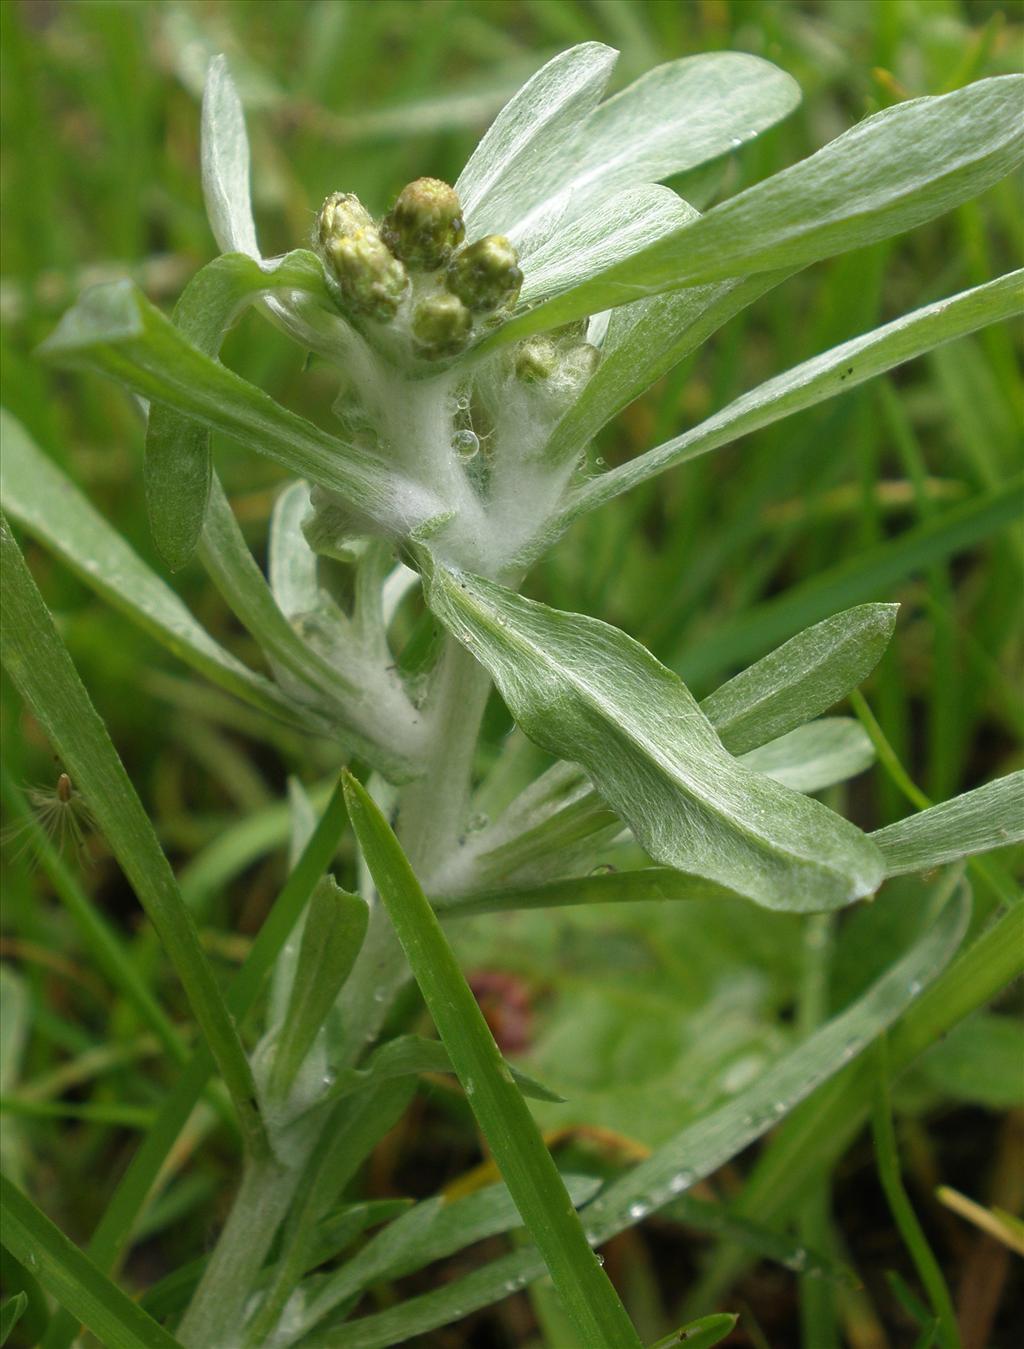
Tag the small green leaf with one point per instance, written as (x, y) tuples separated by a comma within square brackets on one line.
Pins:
[(432, 1230), (802, 678), (225, 163), (989, 817), (10, 1314), (814, 756), (526, 1165), (600, 887), (331, 938), (587, 693), (702, 1334), (76, 1283)]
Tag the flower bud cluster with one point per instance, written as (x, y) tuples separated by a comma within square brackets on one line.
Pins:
[(559, 360), (416, 252)]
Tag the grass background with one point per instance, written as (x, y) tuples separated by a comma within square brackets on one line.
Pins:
[(100, 177)]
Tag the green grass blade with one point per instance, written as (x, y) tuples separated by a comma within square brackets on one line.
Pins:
[(699, 1150), (812, 1140), (866, 577), (112, 1234), (525, 1163), (888, 1164), (76, 1283), (98, 936), (42, 670)]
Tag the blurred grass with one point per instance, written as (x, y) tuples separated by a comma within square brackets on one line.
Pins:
[(99, 107)]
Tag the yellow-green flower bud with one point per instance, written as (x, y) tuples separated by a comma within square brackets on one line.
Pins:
[(341, 216), (441, 325), (486, 276), (536, 359), (372, 280), (424, 225)]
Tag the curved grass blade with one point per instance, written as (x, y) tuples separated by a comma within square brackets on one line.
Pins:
[(526, 1165), (41, 669), (76, 1283)]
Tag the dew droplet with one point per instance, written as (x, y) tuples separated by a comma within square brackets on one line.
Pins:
[(599, 461), (599, 1258), (680, 1183), (915, 988), (637, 1211), (477, 822), (466, 444)]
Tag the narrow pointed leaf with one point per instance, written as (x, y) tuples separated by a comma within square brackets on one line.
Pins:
[(76, 1283), (525, 1163), (891, 172), (525, 152), (179, 467), (225, 163), (10, 1314), (814, 381), (681, 115), (803, 677), (814, 756), (331, 938), (602, 887), (704, 1333), (410, 1055), (42, 500), (588, 693), (988, 817), (42, 670), (432, 1230)]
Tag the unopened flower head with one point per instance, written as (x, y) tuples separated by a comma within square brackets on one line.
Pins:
[(441, 325), (372, 280), (486, 275), (425, 224), (341, 216)]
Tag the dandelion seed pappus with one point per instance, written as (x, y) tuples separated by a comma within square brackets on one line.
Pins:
[(59, 811)]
